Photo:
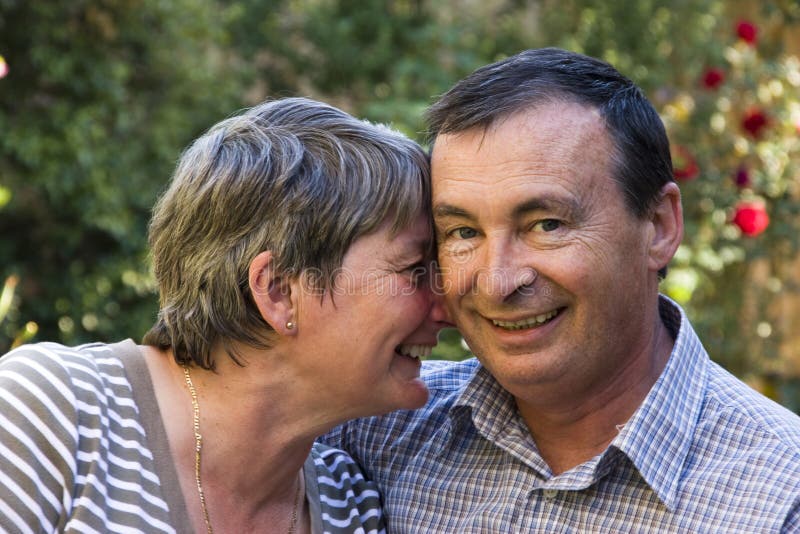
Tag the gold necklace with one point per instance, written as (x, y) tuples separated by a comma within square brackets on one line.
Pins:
[(198, 448)]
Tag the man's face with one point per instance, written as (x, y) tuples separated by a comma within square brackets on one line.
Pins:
[(545, 269)]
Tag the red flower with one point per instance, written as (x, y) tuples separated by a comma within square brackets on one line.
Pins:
[(713, 78), (742, 177), (3, 67), (684, 166), (747, 32), (751, 218), (754, 122)]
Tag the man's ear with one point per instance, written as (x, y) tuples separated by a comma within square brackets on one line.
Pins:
[(667, 219), (272, 294)]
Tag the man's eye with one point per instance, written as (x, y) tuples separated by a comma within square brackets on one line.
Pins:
[(547, 225), (464, 232)]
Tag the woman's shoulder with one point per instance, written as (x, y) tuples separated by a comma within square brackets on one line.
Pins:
[(80, 452), (337, 471), (343, 489), (56, 363), (67, 377), (55, 354)]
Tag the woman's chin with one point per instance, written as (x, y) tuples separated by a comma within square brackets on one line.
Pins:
[(414, 395), (410, 394), (405, 371)]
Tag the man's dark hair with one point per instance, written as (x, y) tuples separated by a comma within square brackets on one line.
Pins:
[(532, 77)]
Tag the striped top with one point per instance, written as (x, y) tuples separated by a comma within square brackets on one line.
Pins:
[(84, 449), (703, 453)]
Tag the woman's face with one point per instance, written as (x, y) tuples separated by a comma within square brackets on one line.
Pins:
[(361, 342)]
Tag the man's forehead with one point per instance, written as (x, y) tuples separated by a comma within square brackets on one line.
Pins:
[(551, 129), (548, 156)]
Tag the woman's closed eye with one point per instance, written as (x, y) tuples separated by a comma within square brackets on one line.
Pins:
[(417, 271)]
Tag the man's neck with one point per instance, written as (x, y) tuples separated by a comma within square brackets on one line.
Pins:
[(577, 427)]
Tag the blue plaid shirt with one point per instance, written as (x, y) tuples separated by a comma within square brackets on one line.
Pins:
[(704, 453)]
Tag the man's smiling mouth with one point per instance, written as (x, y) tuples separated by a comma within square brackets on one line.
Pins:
[(529, 322)]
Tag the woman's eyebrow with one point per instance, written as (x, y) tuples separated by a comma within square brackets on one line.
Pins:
[(413, 248)]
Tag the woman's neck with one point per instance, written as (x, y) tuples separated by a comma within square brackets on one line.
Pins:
[(255, 436)]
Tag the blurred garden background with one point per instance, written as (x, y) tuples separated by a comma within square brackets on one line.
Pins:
[(98, 98)]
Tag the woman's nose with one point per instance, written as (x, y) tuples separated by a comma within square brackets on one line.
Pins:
[(438, 312)]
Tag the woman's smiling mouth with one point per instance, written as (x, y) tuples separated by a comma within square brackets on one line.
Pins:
[(414, 351)]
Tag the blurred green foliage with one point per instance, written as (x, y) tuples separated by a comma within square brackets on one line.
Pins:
[(102, 95), (100, 98)]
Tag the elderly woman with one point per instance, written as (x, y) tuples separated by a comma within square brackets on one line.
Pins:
[(290, 253)]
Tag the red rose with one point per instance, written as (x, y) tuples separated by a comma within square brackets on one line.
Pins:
[(684, 166), (751, 218), (713, 78), (747, 32), (742, 177), (754, 122)]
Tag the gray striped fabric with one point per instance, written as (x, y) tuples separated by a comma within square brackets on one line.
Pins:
[(75, 455), (348, 503)]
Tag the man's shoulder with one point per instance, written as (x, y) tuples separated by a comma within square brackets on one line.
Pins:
[(731, 410), (446, 380), (406, 429), (445, 377), (734, 408), (744, 455)]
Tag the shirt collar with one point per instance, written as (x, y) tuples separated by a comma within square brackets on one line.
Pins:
[(485, 407), (485, 404), (658, 436)]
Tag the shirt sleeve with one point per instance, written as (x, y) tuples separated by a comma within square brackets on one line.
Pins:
[(38, 441)]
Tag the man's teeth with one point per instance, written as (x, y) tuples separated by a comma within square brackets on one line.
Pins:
[(526, 323), (415, 351)]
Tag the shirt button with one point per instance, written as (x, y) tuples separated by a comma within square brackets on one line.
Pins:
[(550, 494)]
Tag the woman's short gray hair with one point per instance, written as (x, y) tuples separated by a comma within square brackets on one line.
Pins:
[(294, 176)]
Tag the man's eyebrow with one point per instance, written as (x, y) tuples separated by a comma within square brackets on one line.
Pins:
[(527, 206), (448, 210), (544, 203)]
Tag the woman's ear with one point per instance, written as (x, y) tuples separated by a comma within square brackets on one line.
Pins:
[(272, 294), (667, 219)]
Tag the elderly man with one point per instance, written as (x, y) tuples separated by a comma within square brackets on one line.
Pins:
[(592, 405)]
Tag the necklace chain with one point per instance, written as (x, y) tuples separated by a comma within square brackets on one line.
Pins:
[(198, 449)]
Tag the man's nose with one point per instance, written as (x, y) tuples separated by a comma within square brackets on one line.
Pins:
[(504, 271)]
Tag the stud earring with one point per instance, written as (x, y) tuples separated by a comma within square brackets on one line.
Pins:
[(289, 325)]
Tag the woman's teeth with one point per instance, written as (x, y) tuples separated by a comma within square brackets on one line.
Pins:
[(526, 323), (415, 351)]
